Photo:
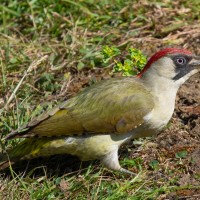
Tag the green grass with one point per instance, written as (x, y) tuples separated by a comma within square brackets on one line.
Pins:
[(89, 183), (52, 49)]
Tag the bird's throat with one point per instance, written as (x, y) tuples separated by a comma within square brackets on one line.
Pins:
[(164, 92)]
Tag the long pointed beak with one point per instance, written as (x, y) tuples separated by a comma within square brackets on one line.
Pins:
[(195, 62)]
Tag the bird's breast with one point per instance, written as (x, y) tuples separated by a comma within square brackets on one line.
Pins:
[(94, 146)]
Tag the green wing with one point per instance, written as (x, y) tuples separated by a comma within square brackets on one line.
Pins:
[(111, 106)]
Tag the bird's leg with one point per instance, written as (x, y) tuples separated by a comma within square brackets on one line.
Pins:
[(111, 161)]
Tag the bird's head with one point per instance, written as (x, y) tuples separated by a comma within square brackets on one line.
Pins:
[(173, 64)]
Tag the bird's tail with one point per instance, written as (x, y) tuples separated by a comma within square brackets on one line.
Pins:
[(35, 147), (4, 161), (17, 153), (27, 149)]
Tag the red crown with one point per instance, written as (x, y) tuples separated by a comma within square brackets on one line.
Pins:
[(160, 54)]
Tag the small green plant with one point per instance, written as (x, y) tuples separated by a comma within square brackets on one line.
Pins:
[(154, 164), (130, 66), (109, 53), (137, 163), (181, 154)]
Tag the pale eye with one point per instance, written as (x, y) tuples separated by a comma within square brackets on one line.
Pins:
[(181, 61)]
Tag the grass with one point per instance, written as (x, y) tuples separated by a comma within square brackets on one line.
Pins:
[(52, 49)]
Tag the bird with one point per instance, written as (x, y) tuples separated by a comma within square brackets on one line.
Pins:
[(93, 124)]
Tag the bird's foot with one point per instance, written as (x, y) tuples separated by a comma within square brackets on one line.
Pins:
[(127, 172), (111, 162)]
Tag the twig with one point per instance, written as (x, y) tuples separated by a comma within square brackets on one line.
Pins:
[(33, 65)]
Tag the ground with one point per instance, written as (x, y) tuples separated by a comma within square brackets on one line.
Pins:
[(52, 51)]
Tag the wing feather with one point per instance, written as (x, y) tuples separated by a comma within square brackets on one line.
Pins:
[(111, 106)]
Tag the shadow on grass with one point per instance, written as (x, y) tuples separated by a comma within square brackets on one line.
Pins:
[(56, 165)]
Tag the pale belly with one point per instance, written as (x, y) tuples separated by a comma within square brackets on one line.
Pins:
[(85, 147)]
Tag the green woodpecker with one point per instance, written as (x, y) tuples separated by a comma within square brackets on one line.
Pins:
[(98, 120)]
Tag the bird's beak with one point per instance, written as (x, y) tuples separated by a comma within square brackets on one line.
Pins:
[(195, 62)]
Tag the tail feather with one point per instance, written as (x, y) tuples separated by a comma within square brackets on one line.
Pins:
[(5, 161), (32, 148), (4, 165), (19, 152)]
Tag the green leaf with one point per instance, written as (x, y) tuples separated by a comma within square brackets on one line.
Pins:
[(154, 164), (9, 10), (181, 154), (134, 61), (109, 52), (80, 66)]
